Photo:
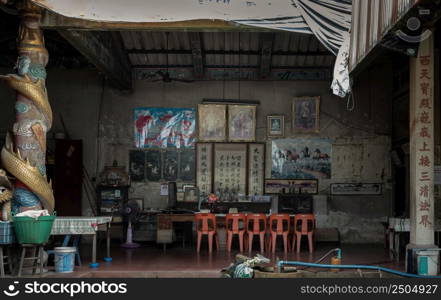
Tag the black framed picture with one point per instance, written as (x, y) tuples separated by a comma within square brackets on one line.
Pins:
[(137, 165), (170, 165), (187, 165), (153, 164)]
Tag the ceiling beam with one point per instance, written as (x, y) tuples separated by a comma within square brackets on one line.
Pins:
[(51, 20), (196, 51), (230, 52), (105, 51), (265, 57)]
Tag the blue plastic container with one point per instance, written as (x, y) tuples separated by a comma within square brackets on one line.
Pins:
[(64, 259)]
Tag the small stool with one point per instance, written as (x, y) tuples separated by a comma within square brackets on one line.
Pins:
[(36, 259), (8, 258)]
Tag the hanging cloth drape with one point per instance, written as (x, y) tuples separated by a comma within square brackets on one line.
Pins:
[(328, 20)]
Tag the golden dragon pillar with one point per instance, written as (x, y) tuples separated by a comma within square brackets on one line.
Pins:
[(24, 153)]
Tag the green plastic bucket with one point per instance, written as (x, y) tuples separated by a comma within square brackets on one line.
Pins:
[(33, 231)]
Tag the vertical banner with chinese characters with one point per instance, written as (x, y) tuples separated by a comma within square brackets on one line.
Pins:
[(230, 171), (204, 161), (422, 145), (256, 169)]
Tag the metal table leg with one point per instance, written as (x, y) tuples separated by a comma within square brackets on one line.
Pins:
[(108, 258), (94, 264), (397, 246)]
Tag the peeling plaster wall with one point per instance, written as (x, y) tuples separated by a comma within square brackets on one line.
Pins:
[(361, 142)]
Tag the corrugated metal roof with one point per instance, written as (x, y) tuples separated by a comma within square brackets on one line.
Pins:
[(248, 42)]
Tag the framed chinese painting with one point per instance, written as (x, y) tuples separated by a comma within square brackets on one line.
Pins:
[(153, 165), (170, 165), (275, 126), (241, 123), (137, 165), (230, 171), (204, 168), (187, 165), (212, 122), (256, 169), (306, 114)]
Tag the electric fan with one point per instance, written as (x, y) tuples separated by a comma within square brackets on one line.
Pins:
[(130, 210)]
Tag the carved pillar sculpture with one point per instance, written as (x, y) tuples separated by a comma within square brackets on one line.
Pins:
[(24, 154)]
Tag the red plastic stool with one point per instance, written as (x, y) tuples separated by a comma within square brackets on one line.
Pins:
[(279, 226), (256, 225), (232, 226), (203, 227), (304, 224)]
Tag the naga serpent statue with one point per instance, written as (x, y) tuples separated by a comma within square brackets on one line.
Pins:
[(24, 153)]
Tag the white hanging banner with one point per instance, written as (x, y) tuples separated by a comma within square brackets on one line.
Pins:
[(328, 20)]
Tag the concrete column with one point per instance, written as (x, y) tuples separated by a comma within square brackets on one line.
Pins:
[(422, 146)]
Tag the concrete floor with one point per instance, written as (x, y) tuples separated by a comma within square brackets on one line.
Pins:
[(151, 261)]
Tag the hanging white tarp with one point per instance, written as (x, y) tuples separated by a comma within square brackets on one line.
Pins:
[(328, 20)]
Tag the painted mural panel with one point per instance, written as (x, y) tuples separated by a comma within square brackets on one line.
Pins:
[(137, 165), (153, 163), (187, 165), (171, 165), (301, 158), (165, 127)]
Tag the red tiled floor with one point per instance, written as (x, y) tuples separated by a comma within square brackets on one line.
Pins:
[(152, 261)]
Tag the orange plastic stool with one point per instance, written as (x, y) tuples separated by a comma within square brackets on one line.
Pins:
[(232, 227), (256, 225), (304, 224), (277, 228), (203, 227)]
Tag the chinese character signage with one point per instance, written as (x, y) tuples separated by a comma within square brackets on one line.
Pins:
[(422, 117), (204, 170), (230, 171), (256, 169)]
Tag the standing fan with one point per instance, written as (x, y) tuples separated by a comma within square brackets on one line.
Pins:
[(130, 210)]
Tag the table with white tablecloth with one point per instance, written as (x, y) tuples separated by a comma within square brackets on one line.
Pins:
[(85, 226), (398, 226)]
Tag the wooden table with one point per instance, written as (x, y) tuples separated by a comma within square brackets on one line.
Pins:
[(399, 226), (164, 234)]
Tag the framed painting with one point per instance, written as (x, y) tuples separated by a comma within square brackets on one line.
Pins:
[(212, 122), (191, 194), (230, 171), (137, 165), (187, 165), (368, 189), (158, 127), (306, 114), (304, 158), (204, 168), (171, 166), (153, 165), (241, 123), (275, 126), (291, 186), (256, 169)]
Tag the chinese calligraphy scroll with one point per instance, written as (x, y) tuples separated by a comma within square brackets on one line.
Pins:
[(422, 145)]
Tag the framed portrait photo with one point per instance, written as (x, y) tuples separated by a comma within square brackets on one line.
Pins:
[(212, 122), (306, 114), (275, 126), (241, 123)]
